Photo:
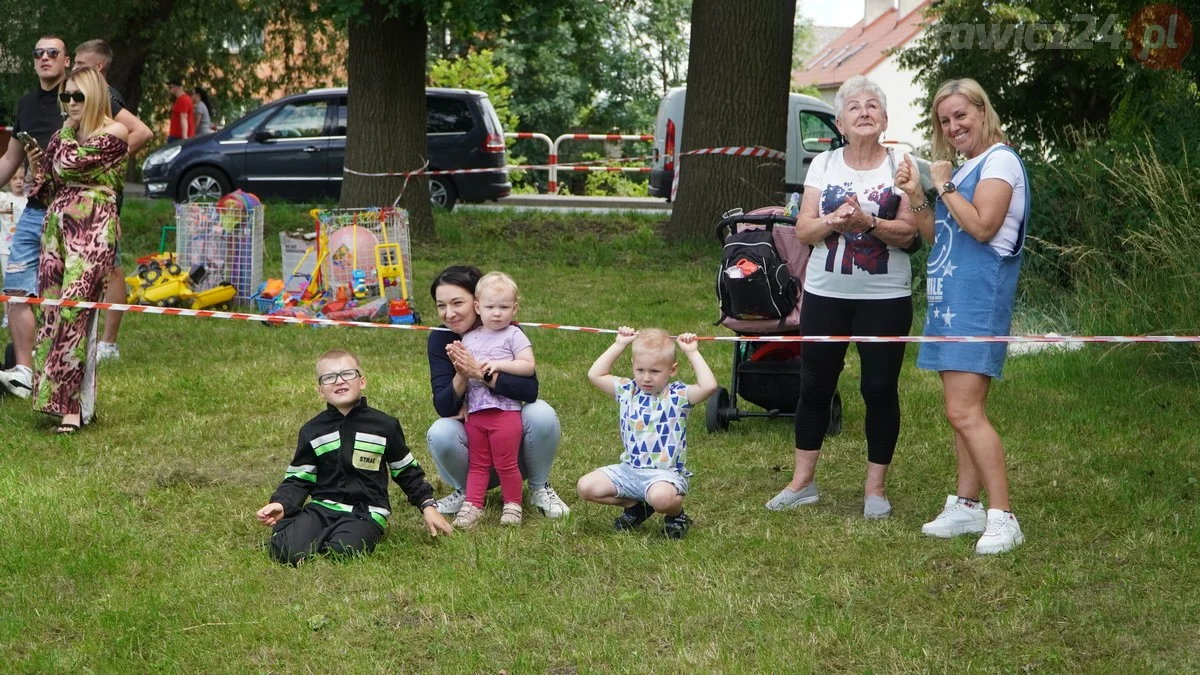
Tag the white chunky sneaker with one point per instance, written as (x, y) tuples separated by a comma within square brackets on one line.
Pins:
[(956, 518), (548, 502), (18, 380), (451, 503), (107, 350), (1002, 535)]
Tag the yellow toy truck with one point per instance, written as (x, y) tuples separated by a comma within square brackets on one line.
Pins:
[(160, 282)]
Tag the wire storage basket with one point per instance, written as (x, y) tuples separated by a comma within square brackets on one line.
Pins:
[(372, 242), (226, 240)]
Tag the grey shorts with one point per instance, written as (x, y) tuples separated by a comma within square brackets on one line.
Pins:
[(633, 483)]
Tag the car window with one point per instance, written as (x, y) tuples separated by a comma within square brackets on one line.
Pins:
[(339, 125), (448, 116), (241, 130), (818, 132), (303, 119)]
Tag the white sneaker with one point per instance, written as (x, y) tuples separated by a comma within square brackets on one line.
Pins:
[(451, 503), (956, 518), (18, 381), (548, 502), (107, 350), (1003, 533)]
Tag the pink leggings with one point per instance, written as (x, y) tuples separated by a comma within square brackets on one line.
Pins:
[(493, 439)]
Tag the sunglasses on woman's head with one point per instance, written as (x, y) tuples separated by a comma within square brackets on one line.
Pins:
[(51, 52), (68, 96)]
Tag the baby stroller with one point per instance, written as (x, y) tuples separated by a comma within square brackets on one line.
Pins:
[(766, 374)]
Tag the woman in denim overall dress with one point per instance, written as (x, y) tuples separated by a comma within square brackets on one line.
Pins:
[(977, 227)]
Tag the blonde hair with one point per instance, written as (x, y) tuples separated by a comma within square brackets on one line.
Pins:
[(976, 96), (651, 340), (497, 280), (97, 110), (334, 354)]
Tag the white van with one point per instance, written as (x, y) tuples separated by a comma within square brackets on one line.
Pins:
[(811, 131)]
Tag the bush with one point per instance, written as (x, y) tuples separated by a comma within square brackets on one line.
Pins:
[(1119, 232)]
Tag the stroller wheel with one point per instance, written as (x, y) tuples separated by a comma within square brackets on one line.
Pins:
[(716, 414), (835, 415)]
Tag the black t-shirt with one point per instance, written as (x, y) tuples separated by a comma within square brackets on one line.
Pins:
[(38, 115), (117, 101)]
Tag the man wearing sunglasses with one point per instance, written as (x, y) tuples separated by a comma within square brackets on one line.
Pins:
[(39, 116), (99, 55)]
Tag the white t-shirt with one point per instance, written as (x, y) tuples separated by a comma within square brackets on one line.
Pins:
[(1005, 166), (8, 221), (854, 265)]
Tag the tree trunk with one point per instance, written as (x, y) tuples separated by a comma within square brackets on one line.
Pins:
[(739, 70), (385, 129)]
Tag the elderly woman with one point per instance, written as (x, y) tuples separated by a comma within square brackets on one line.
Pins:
[(451, 368), (858, 282), (978, 232)]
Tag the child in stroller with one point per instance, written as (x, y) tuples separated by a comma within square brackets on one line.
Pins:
[(766, 374)]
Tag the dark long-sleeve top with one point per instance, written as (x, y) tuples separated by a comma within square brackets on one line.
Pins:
[(446, 401), (344, 461)]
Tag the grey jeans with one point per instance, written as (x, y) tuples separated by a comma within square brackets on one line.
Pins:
[(447, 439)]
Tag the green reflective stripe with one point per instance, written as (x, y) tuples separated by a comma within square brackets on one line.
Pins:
[(306, 472), (327, 443), (380, 519), (369, 447), (328, 447), (333, 506), (397, 467)]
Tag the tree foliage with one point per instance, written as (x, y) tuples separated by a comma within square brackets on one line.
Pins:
[(238, 49), (1049, 66)]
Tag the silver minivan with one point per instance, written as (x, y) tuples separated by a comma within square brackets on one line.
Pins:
[(811, 131)]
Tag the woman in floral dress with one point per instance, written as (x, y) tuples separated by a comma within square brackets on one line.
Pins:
[(79, 176)]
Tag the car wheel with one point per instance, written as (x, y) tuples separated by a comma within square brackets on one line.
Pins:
[(442, 193), (203, 184)]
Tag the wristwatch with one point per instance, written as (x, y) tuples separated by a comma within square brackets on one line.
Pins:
[(489, 376), (428, 503), (948, 187)]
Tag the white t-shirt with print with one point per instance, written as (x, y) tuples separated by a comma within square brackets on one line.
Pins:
[(854, 265), (1005, 166)]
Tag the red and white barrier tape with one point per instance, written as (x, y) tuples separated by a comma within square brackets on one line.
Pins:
[(739, 151), (261, 318)]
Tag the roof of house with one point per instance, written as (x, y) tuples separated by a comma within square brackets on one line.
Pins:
[(860, 48)]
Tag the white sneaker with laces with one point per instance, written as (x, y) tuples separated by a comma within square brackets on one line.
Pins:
[(548, 502), (18, 381), (107, 350), (1002, 535), (451, 503), (956, 518)]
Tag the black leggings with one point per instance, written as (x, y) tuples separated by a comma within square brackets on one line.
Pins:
[(317, 530), (822, 363)]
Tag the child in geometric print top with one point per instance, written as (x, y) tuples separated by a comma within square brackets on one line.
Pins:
[(344, 458), (653, 471)]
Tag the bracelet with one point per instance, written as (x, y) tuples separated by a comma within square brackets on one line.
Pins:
[(874, 222), (428, 503), (918, 209)]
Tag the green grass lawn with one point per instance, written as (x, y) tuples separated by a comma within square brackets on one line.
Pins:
[(132, 547)]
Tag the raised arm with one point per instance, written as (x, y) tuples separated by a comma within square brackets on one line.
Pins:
[(601, 371), (706, 382), (982, 216), (139, 133), (908, 179)]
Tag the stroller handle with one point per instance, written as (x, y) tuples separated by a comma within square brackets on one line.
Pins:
[(767, 220)]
